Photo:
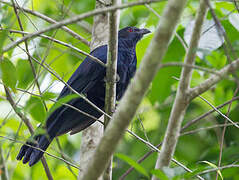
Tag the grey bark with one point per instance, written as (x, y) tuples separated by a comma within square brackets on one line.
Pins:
[(181, 101), (92, 135), (111, 75)]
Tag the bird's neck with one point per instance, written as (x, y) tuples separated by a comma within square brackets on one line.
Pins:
[(128, 44), (126, 49)]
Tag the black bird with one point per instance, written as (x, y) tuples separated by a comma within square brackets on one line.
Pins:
[(88, 79)]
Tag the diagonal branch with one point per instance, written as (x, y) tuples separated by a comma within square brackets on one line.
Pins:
[(50, 20), (136, 89), (181, 100), (29, 126), (76, 19), (27, 50), (204, 86), (46, 67), (52, 155), (190, 123), (60, 42), (219, 112), (224, 131)]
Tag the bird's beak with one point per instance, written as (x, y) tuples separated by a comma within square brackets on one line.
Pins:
[(144, 31)]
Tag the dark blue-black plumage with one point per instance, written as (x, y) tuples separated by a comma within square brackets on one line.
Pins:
[(88, 79)]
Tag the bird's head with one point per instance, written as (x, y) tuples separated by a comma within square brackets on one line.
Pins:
[(132, 34)]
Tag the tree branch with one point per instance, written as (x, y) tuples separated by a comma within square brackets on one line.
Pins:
[(219, 112), (30, 128), (224, 131), (92, 135), (56, 157), (75, 19), (190, 123), (111, 74), (181, 100), (50, 20), (46, 67), (3, 168), (136, 89), (204, 86), (59, 42), (182, 133), (219, 168)]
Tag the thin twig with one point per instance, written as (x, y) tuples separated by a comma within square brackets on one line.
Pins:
[(157, 150), (56, 157), (62, 43), (51, 71), (181, 40), (190, 123), (212, 71), (236, 5), (63, 157), (222, 34), (221, 31), (219, 168), (64, 104), (30, 128), (206, 128), (27, 50), (207, 84), (219, 112), (224, 131)]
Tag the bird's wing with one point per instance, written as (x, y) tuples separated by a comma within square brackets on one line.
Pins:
[(84, 77)]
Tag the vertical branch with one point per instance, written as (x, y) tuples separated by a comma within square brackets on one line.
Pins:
[(3, 168), (136, 90), (181, 100), (92, 135), (224, 131), (111, 74)]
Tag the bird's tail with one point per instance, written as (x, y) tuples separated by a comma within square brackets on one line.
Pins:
[(33, 150)]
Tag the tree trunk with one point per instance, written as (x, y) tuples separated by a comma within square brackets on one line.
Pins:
[(92, 135)]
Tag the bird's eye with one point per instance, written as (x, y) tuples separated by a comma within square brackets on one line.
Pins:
[(130, 30)]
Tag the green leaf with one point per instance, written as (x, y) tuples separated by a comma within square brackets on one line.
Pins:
[(24, 73), (162, 83), (8, 73), (159, 174), (36, 108), (3, 37), (132, 163), (48, 95)]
